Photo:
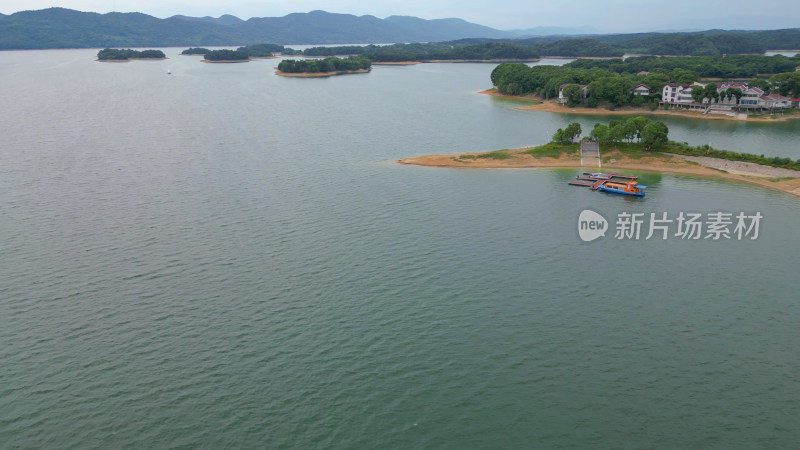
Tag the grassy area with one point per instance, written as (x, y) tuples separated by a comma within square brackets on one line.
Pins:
[(552, 150), (707, 150), (499, 154)]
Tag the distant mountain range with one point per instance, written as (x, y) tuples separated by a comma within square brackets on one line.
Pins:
[(66, 28)]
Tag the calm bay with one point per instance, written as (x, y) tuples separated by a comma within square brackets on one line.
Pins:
[(222, 257)]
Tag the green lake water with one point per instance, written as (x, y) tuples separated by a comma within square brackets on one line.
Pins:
[(226, 258)]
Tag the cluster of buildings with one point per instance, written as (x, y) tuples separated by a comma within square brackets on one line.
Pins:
[(752, 98), (680, 95)]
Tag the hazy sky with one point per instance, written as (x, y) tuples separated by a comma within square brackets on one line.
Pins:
[(606, 16)]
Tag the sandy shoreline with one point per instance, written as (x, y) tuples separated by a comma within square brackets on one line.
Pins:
[(765, 176), (225, 61), (131, 59), (551, 106), (395, 63)]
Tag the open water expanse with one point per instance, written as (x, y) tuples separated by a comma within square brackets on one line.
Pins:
[(225, 258)]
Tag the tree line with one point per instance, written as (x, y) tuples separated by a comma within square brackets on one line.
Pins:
[(430, 51), (125, 54), (195, 51), (227, 55), (651, 134), (326, 65), (732, 66)]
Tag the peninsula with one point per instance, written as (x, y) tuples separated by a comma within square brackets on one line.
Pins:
[(732, 87), (653, 153), (537, 103)]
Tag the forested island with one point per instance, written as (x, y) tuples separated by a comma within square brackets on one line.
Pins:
[(113, 54), (241, 54), (226, 55), (324, 67), (262, 50), (195, 51)]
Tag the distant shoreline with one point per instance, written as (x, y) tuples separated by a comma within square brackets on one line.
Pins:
[(783, 180), (395, 63), (225, 61)]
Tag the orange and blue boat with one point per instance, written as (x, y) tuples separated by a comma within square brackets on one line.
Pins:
[(615, 183)]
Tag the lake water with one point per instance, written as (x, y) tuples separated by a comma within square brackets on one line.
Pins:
[(226, 258)]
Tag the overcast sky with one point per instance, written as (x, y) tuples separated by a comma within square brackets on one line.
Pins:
[(606, 16)]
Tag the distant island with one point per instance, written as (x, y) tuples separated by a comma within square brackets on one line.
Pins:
[(637, 143), (324, 67), (263, 50), (226, 56), (195, 51), (113, 54), (241, 54)]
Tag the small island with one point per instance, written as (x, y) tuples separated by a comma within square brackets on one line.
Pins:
[(637, 143), (226, 56), (263, 51), (241, 54), (324, 67), (113, 54), (195, 51)]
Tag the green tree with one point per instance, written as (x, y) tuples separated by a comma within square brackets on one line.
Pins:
[(599, 133), (573, 131), (654, 135), (759, 83), (573, 94), (683, 76), (736, 92), (698, 94), (787, 84), (639, 122), (710, 91), (560, 137)]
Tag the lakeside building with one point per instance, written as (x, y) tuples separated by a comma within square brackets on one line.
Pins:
[(641, 89), (753, 99), (562, 99), (676, 93)]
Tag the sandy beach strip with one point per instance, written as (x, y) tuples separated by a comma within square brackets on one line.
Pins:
[(783, 180), (395, 63)]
